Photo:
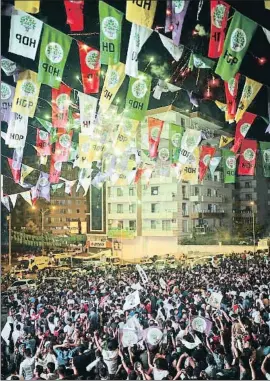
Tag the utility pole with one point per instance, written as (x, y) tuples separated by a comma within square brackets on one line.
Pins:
[(9, 239), (253, 227)]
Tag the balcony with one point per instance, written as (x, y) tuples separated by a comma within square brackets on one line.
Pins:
[(158, 215), (121, 199), (208, 214), (163, 197), (122, 216), (205, 198)]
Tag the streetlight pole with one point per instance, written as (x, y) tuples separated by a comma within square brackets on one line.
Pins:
[(9, 239), (253, 226)]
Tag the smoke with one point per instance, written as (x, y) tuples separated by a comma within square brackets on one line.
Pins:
[(160, 71)]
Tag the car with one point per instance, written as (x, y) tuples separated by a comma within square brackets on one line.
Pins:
[(22, 284)]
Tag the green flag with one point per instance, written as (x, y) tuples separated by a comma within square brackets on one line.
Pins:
[(138, 97), (54, 50), (265, 152), (175, 137), (200, 62), (229, 166), (49, 128), (235, 46), (110, 20)]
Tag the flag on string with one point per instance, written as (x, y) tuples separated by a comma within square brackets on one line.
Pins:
[(60, 106), (25, 31), (242, 128), (231, 89), (224, 141), (268, 107), (250, 91), (131, 301), (15, 168), (73, 152), (137, 98), (90, 67), (55, 170), (114, 78), (139, 174), (74, 11), (154, 131), (141, 12), (138, 36), (122, 142), (26, 94), (34, 194), (88, 107), (219, 18), (49, 128), (17, 130), (13, 199), (175, 15), (43, 143), (29, 6), (84, 150), (224, 108), (265, 153), (267, 33), (62, 147), (164, 87), (175, 51), (43, 186), (247, 158), (266, 4), (206, 154), (229, 166), (54, 50), (175, 137), (190, 140), (214, 163), (200, 62), (55, 187), (110, 33), (5, 202), (235, 46), (7, 95), (25, 171), (9, 67), (69, 185)]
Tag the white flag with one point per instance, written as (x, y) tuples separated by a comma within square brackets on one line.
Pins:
[(190, 141), (5, 202), (162, 283), (164, 87), (27, 197), (7, 95), (132, 300), (17, 130), (267, 34), (138, 37), (142, 274), (215, 299), (13, 199), (214, 162), (25, 33), (85, 183), (175, 51), (69, 185), (88, 106), (8, 66)]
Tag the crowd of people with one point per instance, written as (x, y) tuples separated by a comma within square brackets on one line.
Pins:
[(208, 322)]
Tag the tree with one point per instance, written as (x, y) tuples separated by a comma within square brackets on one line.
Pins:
[(31, 228)]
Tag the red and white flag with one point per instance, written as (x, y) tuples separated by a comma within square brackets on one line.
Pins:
[(90, 67)]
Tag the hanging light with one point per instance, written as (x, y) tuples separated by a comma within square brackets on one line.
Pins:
[(171, 27), (168, 12), (262, 60)]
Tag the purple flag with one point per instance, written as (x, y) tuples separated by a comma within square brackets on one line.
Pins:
[(7, 95), (175, 15), (43, 186), (200, 324)]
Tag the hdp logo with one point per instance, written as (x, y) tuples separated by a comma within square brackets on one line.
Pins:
[(54, 52), (28, 23), (110, 27)]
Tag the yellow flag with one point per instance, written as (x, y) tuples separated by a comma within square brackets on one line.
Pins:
[(224, 140), (122, 180), (114, 78), (141, 12), (84, 150), (267, 4), (250, 91), (190, 170), (127, 131), (27, 6), (223, 107), (26, 94)]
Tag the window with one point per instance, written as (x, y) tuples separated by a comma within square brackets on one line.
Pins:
[(209, 192), (131, 208), (132, 191), (185, 226), (69, 211), (119, 192), (216, 178), (196, 191), (78, 202), (120, 225), (166, 225), (109, 192), (154, 208), (132, 225), (183, 122), (248, 184), (184, 191), (209, 207), (109, 208), (154, 191), (119, 208), (153, 224), (248, 196), (69, 202), (78, 210), (184, 209)]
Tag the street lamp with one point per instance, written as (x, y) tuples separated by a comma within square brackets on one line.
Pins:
[(43, 212), (253, 225)]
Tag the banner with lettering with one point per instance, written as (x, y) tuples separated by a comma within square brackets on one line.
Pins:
[(242, 128), (141, 12), (43, 186), (43, 143), (229, 166), (214, 163), (231, 89), (250, 91), (138, 36), (206, 154), (235, 46), (29, 6), (7, 95), (110, 20), (175, 15), (75, 17), (17, 130), (60, 106), (26, 94), (25, 31), (62, 147), (190, 170), (219, 18), (114, 78), (54, 50), (175, 137), (88, 107), (247, 158), (154, 131), (15, 168), (265, 153), (55, 170), (137, 98), (84, 151), (90, 67), (121, 143), (189, 142)]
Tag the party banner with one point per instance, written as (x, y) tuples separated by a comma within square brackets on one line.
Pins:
[(137, 98), (5, 201), (224, 141), (27, 197), (200, 62), (214, 163), (25, 31), (242, 128), (114, 78), (43, 143), (62, 147), (68, 187), (90, 67), (141, 12), (236, 44), (164, 87), (43, 186), (175, 15), (15, 168), (7, 95), (190, 170), (175, 137), (138, 36), (84, 151), (250, 91), (154, 131), (29, 6), (231, 89), (175, 51), (17, 130), (206, 154), (189, 142), (26, 94), (88, 107), (54, 50), (265, 152), (122, 142), (25, 171), (9, 67), (247, 158), (110, 33), (60, 106), (55, 170), (13, 199), (202, 325), (142, 273), (219, 18), (75, 18), (229, 166), (131, 301)]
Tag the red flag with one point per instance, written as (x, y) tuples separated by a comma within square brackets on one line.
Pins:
[(74, 11), (219, 18), (43, 143), (206, 153), (247, 158), (242, 128), (55, 170), (62, 147), (60, 106), (15, 168), (154, 131), (90, 67), (139, 174), (231, 89)]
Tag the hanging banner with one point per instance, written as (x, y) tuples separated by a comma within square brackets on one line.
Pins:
[(60, 105), (121, 143), (200, 62), (27, 197), (250, 91), (75, 18), (154, 131), (131, 301), (214, 163), (62, 147), (224, 141), (231, 89), (25, 171), (13, 199), (5, 202), (138, 97), (189, 142), (43, 186), (175, 137), (190, 170), (84, 151), (15, 168), (175, 15), (141, 12), (25, 31), (29, 6), (55, 170), (142, 273), (9, 67), (138, 36), (26, 94), (229, 166), (68, 187), (206, 154), (247, 158), (54, 50), (242, 128), (235, 47), (114, 78), (88, 107), (110, 33), (90, 67), (175, 51), (7, 95), (17, 131), (265, 153), (43, 143), (219, 18), (164, 87)]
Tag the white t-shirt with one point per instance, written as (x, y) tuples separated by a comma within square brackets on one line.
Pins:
[(69, 329), (159, 374), (51, 327), (27, 368), (110, 359)]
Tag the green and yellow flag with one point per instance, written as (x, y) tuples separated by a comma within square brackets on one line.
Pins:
[(175, 137), (138, 97), (114, 78), (225, 140), (250, 91), (229, 166)]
